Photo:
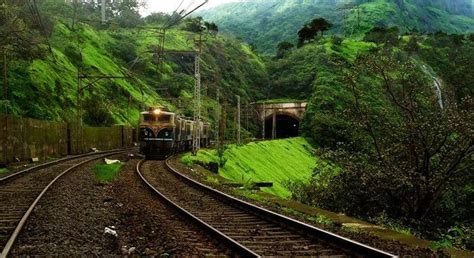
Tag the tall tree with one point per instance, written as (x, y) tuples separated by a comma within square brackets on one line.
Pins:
[(305, 35), (320, 24)]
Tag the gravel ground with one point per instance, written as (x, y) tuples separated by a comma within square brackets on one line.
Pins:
[(261, 236), (71, 218), (150, 226), (393, 247)]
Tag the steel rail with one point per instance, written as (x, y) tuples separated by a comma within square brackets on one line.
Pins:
[(54, 162), (239, 248), (11, 241), (282, 220)]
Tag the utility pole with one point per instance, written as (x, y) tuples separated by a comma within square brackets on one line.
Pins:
[(5, 75), (102, 7), (217, 118), (247, 117), (197, 97), (197, 105), (74, 14), (223, 123), (238, 119), (264, 111)]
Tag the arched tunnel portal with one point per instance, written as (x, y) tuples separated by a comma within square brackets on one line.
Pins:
[(281, 126)]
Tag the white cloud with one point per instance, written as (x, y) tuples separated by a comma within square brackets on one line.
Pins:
[(171, 5)]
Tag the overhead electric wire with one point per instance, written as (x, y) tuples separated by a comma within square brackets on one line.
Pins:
[(35, 14), (172, 14), (187, 14)]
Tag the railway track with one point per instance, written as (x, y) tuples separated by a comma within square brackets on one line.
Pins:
[(21, 192), (247, 229)]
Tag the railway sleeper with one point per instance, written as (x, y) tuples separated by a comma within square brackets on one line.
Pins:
[(240, 223), (288, 237), (9, 220)]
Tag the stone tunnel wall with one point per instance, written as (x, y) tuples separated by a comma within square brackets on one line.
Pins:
[(24, 138), (266, 111)]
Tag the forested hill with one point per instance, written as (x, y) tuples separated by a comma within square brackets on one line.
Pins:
[(265, 23), (43, 65)]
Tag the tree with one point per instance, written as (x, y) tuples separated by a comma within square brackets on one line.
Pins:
[(310, 30), (194, 24), (415, 144), (320, 24), (283, 48), (126, 12), (404, 157), (383, 35), (212, 28), (306, 34)]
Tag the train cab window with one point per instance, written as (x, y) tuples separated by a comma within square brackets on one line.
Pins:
[(148, 118), (164, 118), (151, 118)]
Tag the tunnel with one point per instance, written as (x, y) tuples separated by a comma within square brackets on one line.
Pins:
[(286, 126)]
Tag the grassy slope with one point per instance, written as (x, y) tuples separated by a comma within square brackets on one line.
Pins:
[(269, 161), (226, 63)]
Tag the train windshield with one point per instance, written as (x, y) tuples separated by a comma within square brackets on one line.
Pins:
[(152, 118)]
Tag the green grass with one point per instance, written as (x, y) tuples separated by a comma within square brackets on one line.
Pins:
[(276, 161), (3, 170), (106, 173)]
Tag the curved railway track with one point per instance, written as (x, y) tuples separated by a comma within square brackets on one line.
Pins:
[(21, 192), (247, 229)]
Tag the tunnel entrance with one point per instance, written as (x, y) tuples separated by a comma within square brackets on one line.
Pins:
[(286, 127)]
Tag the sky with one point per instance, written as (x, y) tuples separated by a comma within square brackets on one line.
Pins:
[(171, 5)]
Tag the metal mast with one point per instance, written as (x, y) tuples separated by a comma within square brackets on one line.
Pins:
[(218, 109), (197, 104), (102, 8), (238, 119)]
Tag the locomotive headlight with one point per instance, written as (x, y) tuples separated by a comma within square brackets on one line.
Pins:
[(157, 111)]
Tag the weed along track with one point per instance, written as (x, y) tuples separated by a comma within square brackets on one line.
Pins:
[(21, 192), (247, 229)]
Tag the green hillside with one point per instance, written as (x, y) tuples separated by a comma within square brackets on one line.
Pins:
[(265, 23), (279, 162), (44, 85)]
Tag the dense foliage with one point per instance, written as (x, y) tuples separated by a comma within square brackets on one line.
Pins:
[(46, 63), (265, 23), (376, 111)]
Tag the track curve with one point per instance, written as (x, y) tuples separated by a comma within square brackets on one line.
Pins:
[(21, 191), (247, 229)]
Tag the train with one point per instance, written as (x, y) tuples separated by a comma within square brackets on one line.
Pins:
[(163, 133)]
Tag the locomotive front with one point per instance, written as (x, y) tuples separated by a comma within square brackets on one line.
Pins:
[(157, 133)]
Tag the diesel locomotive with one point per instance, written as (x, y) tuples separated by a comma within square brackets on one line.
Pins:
[(163, 133)]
